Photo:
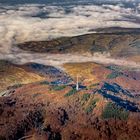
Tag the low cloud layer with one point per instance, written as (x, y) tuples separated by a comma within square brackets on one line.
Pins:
[(58, 60), (21, 23)]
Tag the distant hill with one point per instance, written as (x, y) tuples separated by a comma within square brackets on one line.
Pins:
[(125, 44)]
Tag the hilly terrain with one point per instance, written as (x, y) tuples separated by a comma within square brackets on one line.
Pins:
[(69, 69), (105, 107)]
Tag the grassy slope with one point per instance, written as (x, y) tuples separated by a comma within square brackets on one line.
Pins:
[(11, 75), (88, 73)]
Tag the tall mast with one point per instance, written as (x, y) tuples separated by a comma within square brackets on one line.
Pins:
[(77, 84)]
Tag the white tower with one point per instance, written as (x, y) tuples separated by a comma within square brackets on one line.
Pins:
[(77, 84)]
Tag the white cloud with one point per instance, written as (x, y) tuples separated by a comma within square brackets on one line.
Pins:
[(23, 23)]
